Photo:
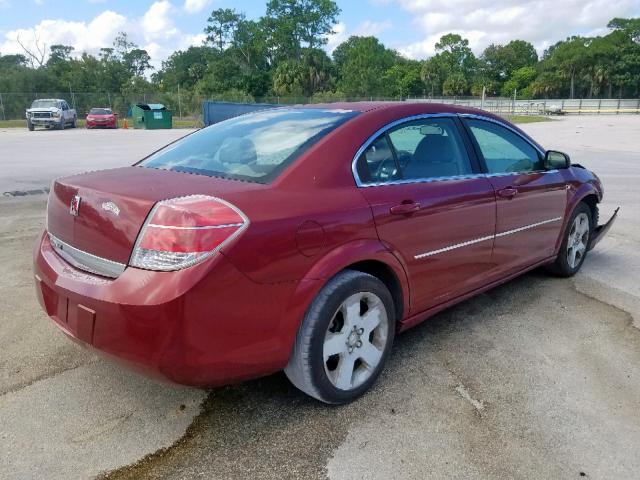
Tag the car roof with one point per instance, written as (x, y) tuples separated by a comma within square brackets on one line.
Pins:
[(427, 107), (344, 141)]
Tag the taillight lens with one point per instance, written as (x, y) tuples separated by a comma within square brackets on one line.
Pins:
[(181, 232)]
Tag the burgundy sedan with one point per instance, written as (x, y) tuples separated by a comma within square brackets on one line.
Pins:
[(101, 118), (304, 238)]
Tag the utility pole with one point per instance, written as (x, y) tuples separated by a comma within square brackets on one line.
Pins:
[(179, 103), (2, 107), (515, 94), (484, 91)]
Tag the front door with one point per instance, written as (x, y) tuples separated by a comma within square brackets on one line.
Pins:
[(530, 201), (432, 208)]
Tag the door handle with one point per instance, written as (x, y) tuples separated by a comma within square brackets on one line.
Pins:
[(405, 208), (508, 192)]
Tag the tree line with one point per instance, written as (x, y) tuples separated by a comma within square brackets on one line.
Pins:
[(281, 55)]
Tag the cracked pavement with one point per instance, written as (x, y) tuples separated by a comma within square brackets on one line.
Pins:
[(538, 378)]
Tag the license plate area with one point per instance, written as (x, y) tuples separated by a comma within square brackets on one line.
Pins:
[(73, 318)]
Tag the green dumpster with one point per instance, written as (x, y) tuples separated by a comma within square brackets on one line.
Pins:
[(151, 116)]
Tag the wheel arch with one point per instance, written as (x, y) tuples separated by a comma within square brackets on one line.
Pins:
[(368, 256), (386, 275), (587, 194), (591, 199)]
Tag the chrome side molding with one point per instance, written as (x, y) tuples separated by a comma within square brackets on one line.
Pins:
[(484, 239)]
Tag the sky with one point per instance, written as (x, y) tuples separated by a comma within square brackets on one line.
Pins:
[(410, 26)]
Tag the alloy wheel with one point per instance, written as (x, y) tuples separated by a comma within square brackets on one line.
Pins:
[(578, 240), (355, 340)]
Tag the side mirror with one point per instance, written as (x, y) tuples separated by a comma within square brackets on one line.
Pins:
[(554, 160)]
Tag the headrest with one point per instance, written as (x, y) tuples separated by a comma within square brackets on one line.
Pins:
[(237, 150), (435, 149)]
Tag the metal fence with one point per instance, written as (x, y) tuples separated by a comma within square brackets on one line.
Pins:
[(214, 112), (13, 105), (188, 104), (506, 106)]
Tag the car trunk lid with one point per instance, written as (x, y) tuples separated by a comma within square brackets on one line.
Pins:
[(114, 204)]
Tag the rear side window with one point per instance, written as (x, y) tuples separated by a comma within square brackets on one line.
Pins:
[(503, 150), (429, 148), (256, 146), (378, 163)]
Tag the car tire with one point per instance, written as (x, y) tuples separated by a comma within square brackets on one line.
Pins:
[(575, 242), (30, 126), (339, 351), (60, 126), (74, 124)]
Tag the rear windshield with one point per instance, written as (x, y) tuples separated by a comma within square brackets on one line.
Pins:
[(256, 146), (45, 104), (99, 111)]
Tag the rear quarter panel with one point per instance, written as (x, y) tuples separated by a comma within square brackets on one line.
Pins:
[(291, 230)]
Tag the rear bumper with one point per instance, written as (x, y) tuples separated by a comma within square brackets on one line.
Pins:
[(601, 230), (203, 326)]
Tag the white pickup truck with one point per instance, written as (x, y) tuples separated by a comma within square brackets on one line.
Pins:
[(50, 113)]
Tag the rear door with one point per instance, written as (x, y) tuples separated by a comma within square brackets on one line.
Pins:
[(530, 200), (432, 208)]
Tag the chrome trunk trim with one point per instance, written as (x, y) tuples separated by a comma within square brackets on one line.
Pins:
[(86, 261)]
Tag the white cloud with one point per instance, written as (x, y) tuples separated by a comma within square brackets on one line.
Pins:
[(155, 31), (365, 29), (160, 51), (195, 6), (370, 28), (338, 36), (83, 36), (157, 22), (541, 22)]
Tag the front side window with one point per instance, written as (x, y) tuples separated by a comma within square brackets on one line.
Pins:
[(503, 150), (429, 148), (256, 146)]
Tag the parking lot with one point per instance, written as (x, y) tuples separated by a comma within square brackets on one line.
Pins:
[(538, 378), (31, 160)]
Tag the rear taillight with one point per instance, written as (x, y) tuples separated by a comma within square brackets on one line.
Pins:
[(181, 232)]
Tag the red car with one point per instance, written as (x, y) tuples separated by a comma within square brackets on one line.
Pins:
[(304, 238), (101, 118)]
